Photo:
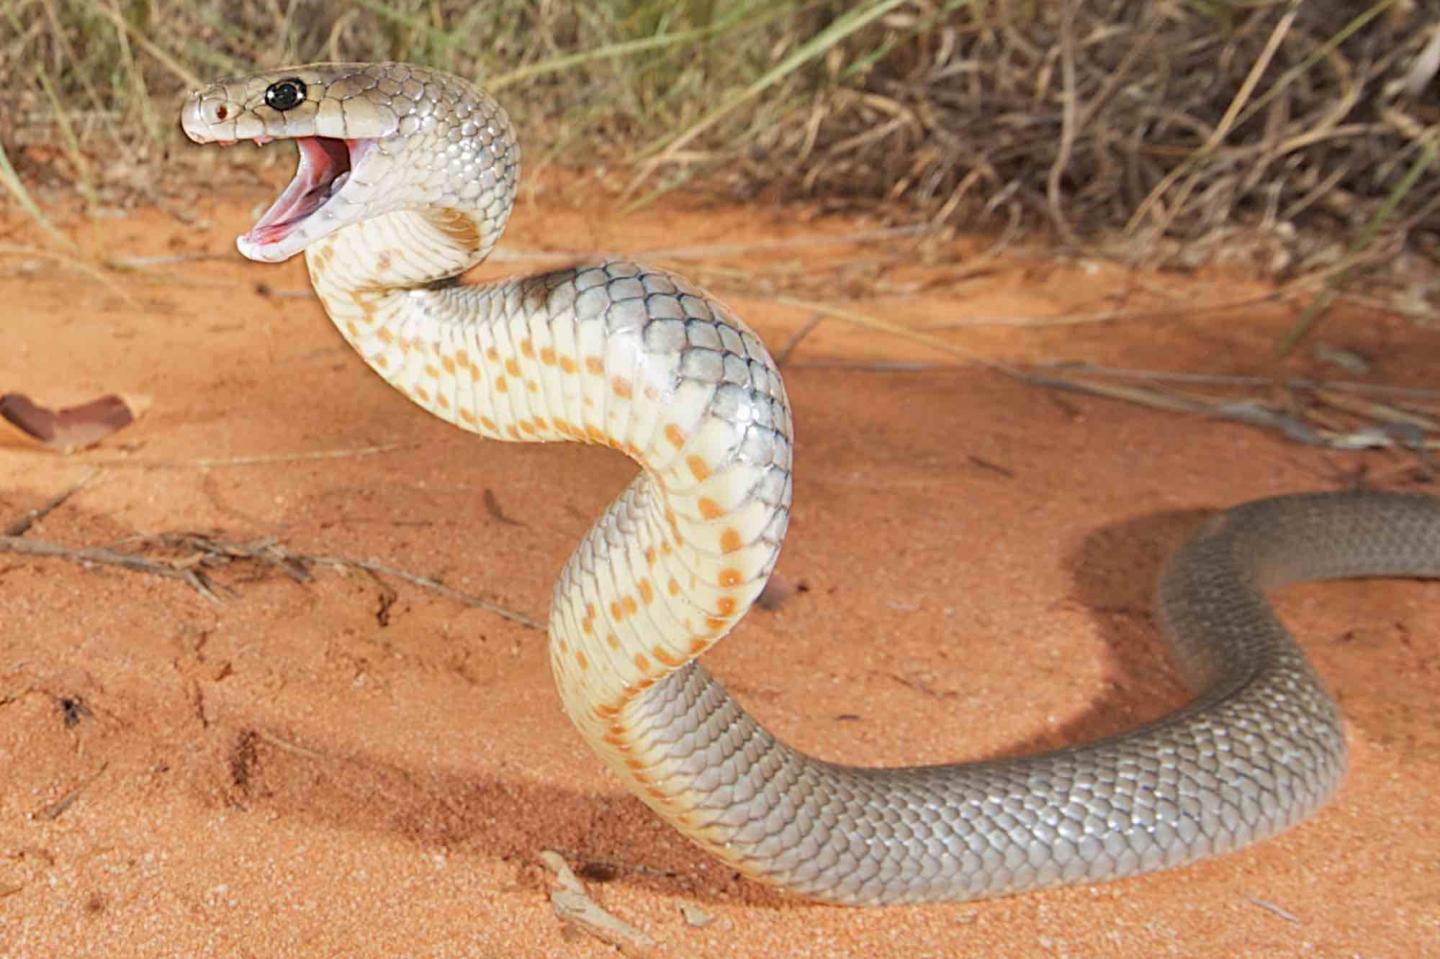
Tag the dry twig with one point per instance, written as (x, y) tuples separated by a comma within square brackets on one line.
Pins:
[(198, 555), (574, 906), (29, 518)]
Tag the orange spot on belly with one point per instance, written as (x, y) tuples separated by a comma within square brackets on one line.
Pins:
[(730, 577), (547, 356), (595, 365), (621, 387), (501, 385), (673, 587), (612, 641), (709, 508), (647, 592), (432, 371), (642, 663), (698, 467), (581, 660), (629, 603), (527, 348), (492, 354), (527, 426), (489, 424), (674, 435), (512, 367), (730, 540), (467, 416), (725, 605), (715, 624), (699, 644), (616, 613), (567, 365), (664, 657)]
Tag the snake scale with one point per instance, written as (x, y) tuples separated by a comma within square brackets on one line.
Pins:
[(406, 178)]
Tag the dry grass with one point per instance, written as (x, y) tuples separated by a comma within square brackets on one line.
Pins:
[(1157, 124)]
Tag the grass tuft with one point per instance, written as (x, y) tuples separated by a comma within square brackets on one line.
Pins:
[(1165, 122)]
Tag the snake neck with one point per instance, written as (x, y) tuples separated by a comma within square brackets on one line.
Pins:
[(398, 254)]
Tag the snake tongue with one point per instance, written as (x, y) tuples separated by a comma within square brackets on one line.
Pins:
[(323, 161)]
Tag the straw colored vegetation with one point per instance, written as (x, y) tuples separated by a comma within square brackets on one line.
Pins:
[(1143, 122)]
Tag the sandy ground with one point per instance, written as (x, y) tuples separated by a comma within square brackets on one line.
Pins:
[(353, 766)]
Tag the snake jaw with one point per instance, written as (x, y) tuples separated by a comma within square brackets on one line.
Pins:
[(305, 211), (320, 198)]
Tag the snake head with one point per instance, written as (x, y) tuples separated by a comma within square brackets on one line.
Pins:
[(373, 138)]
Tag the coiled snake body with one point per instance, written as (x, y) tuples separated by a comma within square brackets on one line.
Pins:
[(406, 178)]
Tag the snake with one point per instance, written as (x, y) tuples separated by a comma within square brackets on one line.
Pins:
[(405, 179)]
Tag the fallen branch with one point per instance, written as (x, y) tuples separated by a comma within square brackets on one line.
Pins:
[(199, 554), (101, 556), (782, 355), (1254, 412), (261, 459), (1227, 379), (1274, 909), (573, 905), (29, 518), (54, 810), (1112, 316), (865, 321)]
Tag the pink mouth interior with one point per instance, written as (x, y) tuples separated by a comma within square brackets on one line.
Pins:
[(323, 161)]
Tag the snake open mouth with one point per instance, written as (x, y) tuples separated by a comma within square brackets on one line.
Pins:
[(324, 167)]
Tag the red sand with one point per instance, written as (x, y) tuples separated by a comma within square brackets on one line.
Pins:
[(292, 773)]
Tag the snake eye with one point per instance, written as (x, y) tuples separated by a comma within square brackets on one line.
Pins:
[(285, 94)]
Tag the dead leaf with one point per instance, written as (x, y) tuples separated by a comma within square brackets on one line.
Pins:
[(64, 430)]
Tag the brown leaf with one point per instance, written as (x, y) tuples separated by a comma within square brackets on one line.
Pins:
[(68, 429)]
